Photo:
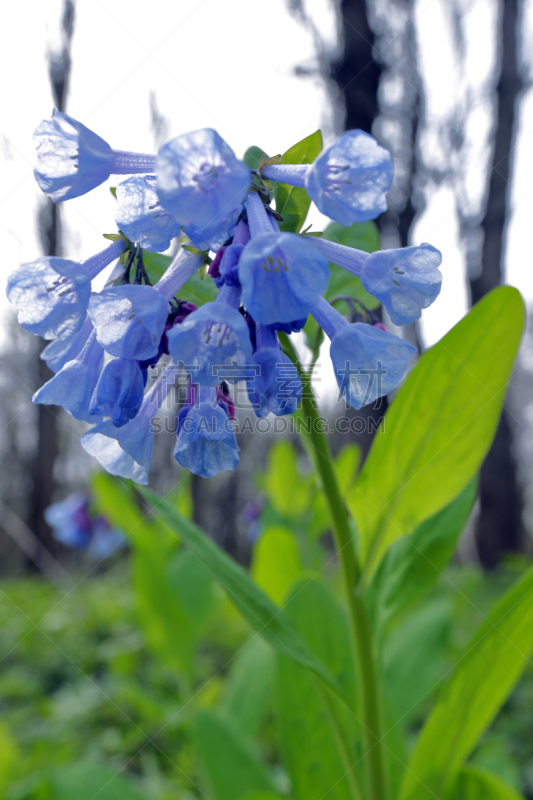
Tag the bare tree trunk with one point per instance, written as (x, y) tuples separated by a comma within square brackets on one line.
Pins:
[(358, 73), (499, 525)]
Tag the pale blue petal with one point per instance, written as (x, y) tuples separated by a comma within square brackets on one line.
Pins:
[(71, 159), (119, 392), (368, 362), (141, 217), (405, 280), (129, 320), (206, 443), (126, 451), (277, 386), (213, 235), (73, 386), (201, 183), (212, 342), (52, 295), (349, 181), (61, 351), (282, 277)]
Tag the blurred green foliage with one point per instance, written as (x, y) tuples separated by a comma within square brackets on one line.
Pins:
[(144, 682)]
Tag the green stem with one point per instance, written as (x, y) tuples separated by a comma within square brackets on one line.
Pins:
[(359, 624)]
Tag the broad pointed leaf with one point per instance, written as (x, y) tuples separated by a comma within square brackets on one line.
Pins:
[(439, 427), (478, 784), (477, 689), (231, 766), (254, 605)]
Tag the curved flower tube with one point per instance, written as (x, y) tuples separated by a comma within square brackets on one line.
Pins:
[(405, 280), (368, 361), (348, 181), (72, 160)]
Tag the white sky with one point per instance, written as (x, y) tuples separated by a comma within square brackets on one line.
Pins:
[(229, 65)]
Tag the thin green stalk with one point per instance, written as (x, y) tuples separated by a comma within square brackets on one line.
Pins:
[(359, 624)]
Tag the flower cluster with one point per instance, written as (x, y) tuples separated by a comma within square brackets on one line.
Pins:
[(196, 191), (76, 525)]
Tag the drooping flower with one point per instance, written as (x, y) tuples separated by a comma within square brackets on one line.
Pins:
[(73, 386), (140, 215), (405, 280), (127, 451), (61, 351), (206, 442), (52, 294), (203, 185), (282, 274), (130, 319), (119, 391), (76, 526), (368, 361), (275, 385), (348, 181), (213, 343), (72, 160)]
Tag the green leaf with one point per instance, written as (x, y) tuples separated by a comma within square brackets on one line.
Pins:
[(347, 465), (252, 157), (263, 796), (414, 654), (231, 766), (169, 628), (8, 757), (173, 591), (361, 235), (478, 687), (116, 499), (287, 490), (309, 748), (494, 754), (254, 605), (478, 784), (250, 686), (293, 202), (414, 564), (196, 290), (276, 564), (86, 781), (439, 427), (192, 585)]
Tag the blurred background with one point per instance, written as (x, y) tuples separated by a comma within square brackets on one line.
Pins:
[(446, 86)]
